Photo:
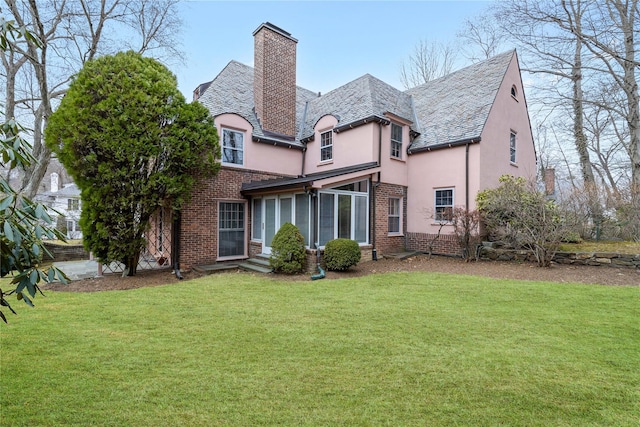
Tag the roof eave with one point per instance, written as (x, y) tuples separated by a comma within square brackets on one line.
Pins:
[(371, 119), (277, 142), (444, 145)]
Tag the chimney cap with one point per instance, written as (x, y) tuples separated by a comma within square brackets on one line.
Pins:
[(276, 29)]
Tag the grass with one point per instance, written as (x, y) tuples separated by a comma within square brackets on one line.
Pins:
[(398, 349), (623, 247)]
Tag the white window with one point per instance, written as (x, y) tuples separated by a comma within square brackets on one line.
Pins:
[(344, 213), (512, 147), (394, 215), (73, 204), (256, 220), (326, 146), (444, 205), (231, 226), (232, 147), (396, 141)]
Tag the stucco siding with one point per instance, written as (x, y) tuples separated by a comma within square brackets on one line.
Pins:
[(432, 170), (508, 114), (350, 147), (259, 155)]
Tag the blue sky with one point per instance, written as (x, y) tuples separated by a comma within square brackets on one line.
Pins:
[(337, 41)]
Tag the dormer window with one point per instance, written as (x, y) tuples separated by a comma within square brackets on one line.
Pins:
[(232, 147), (396, 141), (514, 92), (326, 146)]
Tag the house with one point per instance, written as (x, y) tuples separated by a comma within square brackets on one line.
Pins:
[(65, 204), (365, 161)]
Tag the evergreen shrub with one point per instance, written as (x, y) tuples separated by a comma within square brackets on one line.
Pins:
[(288, 254), (340, 254)]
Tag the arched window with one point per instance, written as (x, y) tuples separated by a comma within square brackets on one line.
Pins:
[(514, 91)]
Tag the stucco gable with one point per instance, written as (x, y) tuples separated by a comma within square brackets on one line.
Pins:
[(456, 107), (231, 91), (363, 97)]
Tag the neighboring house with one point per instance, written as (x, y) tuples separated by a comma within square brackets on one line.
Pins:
[(365, 161), (66, 205)]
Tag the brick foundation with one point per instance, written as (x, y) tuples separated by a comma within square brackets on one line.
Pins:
[(445, 244), (311, 262)]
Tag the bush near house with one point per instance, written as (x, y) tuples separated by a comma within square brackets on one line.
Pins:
[(340, 254), (522, 217), (287, 250)]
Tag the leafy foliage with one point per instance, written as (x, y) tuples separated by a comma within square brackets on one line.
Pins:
[(132, 144), (23, 223), (523, 217), (288, 254), (340, 254)]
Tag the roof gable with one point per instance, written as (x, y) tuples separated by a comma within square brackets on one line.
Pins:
[(363, 97), (456, 107)]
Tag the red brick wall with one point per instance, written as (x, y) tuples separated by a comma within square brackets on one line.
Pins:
[(275, 81), (446, 244), (384, 242), (199, 229)]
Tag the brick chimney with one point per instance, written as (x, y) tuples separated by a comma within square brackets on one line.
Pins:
[(550, 181), (274, 82)]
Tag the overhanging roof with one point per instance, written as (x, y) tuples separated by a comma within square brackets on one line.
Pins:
[(281, 184)]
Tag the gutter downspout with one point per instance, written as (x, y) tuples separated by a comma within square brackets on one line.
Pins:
[(466, 173), (175, 243), (304, 150), (314, 237), (374, 187)]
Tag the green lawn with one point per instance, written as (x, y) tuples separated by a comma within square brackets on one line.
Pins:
[(394, 349)]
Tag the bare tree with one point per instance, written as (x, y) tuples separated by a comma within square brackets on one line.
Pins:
[(73, 32), (482, 37), (611, 35), (430, 60), (546, 32)]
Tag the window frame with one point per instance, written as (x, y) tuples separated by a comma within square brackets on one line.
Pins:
[(73, 204), (326, 147), (394, 215), (396, 144), (223, 147), (242, 203), (513, 147), (439, 209), (353, 217)]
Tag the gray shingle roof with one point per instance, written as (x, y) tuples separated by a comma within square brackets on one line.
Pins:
[(363, 97), (449, 109), (455, 107), (231, 91)]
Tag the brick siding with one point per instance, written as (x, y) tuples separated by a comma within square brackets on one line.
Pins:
[(446, 244), (275, 81), (384, 242), (199, 228)]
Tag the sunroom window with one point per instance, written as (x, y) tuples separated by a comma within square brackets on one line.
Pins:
[(344, 213)]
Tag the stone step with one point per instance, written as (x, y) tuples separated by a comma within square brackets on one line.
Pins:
[(213, 268), (263, 262), (250, 266)]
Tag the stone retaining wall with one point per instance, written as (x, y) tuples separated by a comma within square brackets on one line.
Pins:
[(607, 259), (65, 252)]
